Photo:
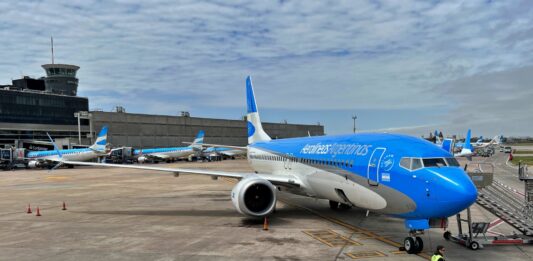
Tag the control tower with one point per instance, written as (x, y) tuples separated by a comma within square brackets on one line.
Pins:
[(61, 79)]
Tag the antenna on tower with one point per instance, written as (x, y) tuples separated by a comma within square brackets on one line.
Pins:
[(52, 45)]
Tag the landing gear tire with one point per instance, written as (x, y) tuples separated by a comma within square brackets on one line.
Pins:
[(419, 243), (409, 245), (333, 205), (413, 245), (447, 235), (474, 245)]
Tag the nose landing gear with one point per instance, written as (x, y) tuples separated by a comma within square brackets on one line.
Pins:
[(413, 244)]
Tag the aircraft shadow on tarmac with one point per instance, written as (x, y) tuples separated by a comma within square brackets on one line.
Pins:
[(282, 215)]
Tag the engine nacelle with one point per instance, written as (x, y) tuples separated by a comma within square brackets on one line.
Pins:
[(141, 159), (254, 196), (34, 164)]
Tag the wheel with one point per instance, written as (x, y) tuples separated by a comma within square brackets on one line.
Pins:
[(333, 205), (474, 245), (447, 235), (409, 245), (419, 243)]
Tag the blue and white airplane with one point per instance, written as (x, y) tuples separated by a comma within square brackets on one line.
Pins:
[(48, 157), (165, 154), (393, 174)]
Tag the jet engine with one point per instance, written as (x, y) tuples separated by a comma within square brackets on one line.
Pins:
[(141, 159), (254, 196), (34, 164)]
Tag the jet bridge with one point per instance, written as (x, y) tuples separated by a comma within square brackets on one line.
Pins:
[(502, 201)]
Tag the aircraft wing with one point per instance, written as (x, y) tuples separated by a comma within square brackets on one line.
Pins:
[(284, 180), (156, 156), (220, 146)]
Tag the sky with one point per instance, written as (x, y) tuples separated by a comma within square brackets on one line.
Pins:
[(399, 66)]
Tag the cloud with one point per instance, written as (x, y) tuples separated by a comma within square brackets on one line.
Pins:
[(304, 56)]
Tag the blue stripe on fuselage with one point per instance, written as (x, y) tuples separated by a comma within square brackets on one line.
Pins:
[(159, 150), (48, 153)]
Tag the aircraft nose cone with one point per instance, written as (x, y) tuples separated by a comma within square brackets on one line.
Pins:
[(466, 193), (462, 192)]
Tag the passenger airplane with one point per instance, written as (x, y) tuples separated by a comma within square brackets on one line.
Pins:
[(165, 154), (47, 158), (398, 175)]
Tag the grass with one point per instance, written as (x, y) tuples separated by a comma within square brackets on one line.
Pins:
[(519, 144), (523, 152), (524, 159)]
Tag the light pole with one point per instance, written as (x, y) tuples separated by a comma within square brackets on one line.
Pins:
[(354, 117)]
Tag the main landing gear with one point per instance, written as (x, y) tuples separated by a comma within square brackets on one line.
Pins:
[(336, 205), (413, 244)]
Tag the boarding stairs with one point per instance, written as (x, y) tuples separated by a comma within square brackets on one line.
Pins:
[(506, 203)]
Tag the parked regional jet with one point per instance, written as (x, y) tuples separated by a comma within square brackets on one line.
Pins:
[(394, 174), (48, 157), (164, 154)]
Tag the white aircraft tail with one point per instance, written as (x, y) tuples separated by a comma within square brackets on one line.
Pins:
[(467, 147), (198, 141), (255, 129), (101, 140)]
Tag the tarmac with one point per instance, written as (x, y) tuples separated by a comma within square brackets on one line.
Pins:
[(126, 214)]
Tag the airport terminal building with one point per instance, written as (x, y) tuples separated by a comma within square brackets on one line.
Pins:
[(29, 108)]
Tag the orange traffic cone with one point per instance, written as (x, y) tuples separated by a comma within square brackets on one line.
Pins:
[(29, 209), (265, 224), (38, 212), (64, 206)]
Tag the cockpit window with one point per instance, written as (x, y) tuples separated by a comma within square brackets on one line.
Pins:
[(406, 163), (452, 162), (434, 162), (416, 164)]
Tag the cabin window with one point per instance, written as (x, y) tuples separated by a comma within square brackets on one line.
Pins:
[(434, 162)]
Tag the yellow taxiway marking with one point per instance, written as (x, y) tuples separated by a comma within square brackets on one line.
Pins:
[(365, 254), (350, 227), (397, 252), (57, 177), (331, 238)]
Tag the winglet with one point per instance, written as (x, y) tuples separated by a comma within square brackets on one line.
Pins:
[(60, 156), (55, 146)]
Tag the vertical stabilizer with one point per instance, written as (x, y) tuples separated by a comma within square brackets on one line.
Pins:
[(467, 147), (101, 140), (255, 129), (198, 141)]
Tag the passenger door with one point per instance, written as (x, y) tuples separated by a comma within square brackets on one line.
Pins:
[(373, 166)]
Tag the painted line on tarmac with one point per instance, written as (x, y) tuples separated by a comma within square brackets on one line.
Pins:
[(350, 227)]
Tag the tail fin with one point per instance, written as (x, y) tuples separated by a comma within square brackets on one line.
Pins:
[(255, 129), (198, 141), (467, 147), (101, 140), (447, 145)]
